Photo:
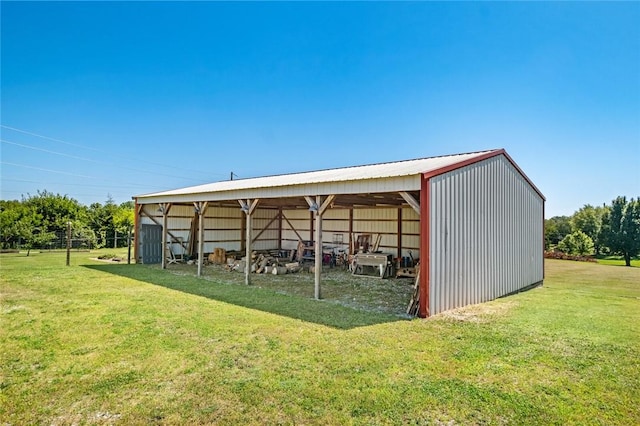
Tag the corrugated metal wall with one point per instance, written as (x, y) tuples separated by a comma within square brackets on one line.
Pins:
[(268, 240), (485, 236), (335, 225), (224, 227)]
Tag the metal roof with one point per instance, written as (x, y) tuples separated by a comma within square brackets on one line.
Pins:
[(346, 174)]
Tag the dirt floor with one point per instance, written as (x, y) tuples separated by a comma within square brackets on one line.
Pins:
[(338, 285)]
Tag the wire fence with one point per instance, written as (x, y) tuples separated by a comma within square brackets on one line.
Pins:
[(60, 242)]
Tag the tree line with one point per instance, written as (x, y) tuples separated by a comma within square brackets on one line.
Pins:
[(41, 221), (608, 229)]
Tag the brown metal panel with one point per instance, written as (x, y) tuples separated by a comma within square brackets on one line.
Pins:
[(424, 303)]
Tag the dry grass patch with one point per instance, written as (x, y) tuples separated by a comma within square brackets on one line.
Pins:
[(479, 313)]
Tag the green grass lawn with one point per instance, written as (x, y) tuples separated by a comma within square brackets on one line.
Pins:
[(617, 261), (97, 343)]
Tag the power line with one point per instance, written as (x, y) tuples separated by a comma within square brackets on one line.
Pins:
[(26, 132), (89, 160), (48, 151), (120, 185), (47, 170)]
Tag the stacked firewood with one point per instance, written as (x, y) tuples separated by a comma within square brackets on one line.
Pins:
[(264, 264)]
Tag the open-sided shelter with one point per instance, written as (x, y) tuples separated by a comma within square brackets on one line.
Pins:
[(474, 220)]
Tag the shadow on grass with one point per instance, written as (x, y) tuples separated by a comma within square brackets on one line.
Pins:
[(292, 306)]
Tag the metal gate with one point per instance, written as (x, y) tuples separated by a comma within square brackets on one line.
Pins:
[(151, 243)]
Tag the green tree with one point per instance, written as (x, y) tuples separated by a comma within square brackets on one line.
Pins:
[(621, 228), (555, 229), (83, 234), (17, 223), (577, 243), (101, 221), (38, 238), (55, 210), (589, 220), (123, 218)]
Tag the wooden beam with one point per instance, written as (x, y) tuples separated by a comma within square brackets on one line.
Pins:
[(309, 200), (292, 227), (325, 204), (253, 204), (411, 201), (266, 226), (165, 207)]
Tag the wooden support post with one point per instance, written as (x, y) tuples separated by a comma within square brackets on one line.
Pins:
[(399, 243), (248, 207), (201, 209), (318, 250), (318, 207), (136, 230), (247, 247), (164, 236), (200, 242), (164, 208), (351, 248)]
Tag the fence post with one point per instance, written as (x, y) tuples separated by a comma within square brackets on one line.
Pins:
[(129, 247), (68, 242)]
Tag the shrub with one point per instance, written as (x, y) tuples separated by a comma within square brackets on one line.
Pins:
[(576, 243)]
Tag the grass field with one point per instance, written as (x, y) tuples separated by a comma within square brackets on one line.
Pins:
[(96, 343), (617, 261)]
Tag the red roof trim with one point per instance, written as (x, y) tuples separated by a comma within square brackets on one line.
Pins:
[(455, 166)]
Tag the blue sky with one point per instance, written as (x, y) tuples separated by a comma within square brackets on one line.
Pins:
[(121, 99)]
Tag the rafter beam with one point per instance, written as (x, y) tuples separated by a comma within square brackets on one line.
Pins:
[(325, 204), (415, 204)]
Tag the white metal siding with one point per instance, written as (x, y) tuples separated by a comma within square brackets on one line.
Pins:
[(390, 184), (485, 234), (385, 177)]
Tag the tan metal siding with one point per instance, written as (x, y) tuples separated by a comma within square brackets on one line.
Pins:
[(485, 234), (331, 214)]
